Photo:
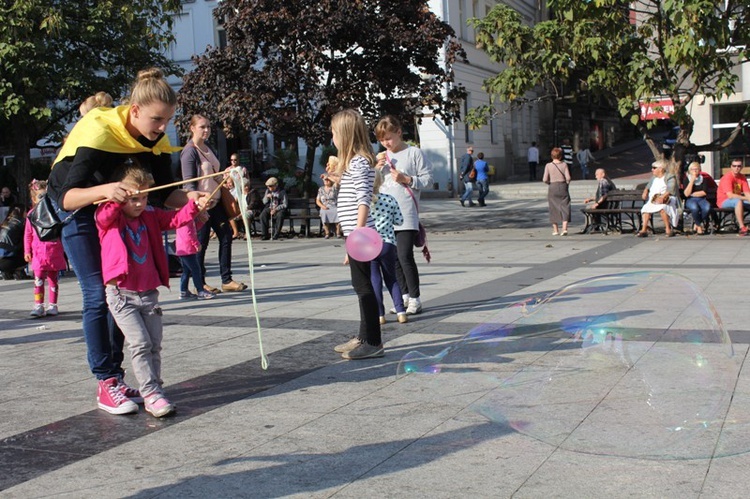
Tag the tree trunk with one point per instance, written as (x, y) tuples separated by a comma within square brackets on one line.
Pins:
[(309, 166), (20, 143)]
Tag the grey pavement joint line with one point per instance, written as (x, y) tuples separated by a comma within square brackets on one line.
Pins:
[(27, 455)]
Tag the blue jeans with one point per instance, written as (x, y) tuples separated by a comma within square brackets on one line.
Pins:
[(467, 194), (584, 170), (484, 189), (104, 340), (383, 268), (699, 208), (191, 266), (732, 202)]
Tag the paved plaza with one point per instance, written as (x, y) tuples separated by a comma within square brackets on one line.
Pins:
[(314, 425)]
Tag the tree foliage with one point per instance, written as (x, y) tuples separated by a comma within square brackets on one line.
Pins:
[(675, 48), (289, 66), (55, 53)]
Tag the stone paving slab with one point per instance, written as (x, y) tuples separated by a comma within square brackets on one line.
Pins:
[(314, 425)]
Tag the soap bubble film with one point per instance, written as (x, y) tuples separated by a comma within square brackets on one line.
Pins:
[(634, 365)]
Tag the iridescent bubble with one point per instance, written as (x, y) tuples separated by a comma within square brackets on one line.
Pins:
[(636, 364)]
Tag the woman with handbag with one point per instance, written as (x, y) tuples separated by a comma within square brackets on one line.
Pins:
[(557, 177), (197, 159), (102, 140), (407, 172), (661, 196)]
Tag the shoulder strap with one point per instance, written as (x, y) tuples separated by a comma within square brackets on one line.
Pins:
[(416, 204)]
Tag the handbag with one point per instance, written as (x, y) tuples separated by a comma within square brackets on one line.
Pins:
[(231, 206), (472, 173), (45, 221)]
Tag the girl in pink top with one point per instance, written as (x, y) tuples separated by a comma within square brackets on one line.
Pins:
[(47, 258), (188, 248), (134, 264)]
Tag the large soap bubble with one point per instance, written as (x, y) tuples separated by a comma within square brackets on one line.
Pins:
[(636, 365)]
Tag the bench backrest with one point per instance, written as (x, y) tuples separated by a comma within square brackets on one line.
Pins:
[(304, 205)]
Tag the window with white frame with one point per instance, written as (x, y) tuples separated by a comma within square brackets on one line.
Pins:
[(469, 132)]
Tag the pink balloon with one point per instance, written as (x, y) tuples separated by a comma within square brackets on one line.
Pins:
[(364, 244)]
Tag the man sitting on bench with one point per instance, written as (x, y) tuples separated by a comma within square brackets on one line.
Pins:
[(603, 188), (275, 209), (599, 201), (734, 192)]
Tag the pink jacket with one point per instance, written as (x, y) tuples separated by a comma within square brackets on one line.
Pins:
[(111, 224), (186, 242), (45, 255)]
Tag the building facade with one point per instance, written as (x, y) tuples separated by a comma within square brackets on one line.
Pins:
[(509, 134), (716, 119)]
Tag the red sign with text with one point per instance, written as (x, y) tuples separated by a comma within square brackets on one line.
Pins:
[(661, 109)]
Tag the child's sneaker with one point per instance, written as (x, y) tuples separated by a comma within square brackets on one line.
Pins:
[(205, 295), (109, 398), (158, 405), (415, 306), (51, 309), (38, 310), (129, 391), (187, 295)]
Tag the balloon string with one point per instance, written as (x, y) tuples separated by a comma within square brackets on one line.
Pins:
[(239, 189)]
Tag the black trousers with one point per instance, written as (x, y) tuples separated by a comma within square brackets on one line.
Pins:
[(219, 222), (407, 272), (265, 221), (369, 321)]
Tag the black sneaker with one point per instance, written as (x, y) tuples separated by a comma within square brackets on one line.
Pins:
[(364, 351)]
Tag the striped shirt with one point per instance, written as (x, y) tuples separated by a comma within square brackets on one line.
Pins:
[(355, 190)]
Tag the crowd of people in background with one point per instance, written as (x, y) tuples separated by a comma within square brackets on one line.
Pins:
[(112, 235)]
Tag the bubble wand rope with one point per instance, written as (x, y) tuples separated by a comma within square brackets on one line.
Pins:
[(239, 186), (224, 181), (173, 184)]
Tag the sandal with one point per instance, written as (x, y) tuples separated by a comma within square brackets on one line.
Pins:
[(642, 234)]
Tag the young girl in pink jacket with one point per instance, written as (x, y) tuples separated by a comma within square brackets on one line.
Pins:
[(134, 265), (188, 248), (47, 258)]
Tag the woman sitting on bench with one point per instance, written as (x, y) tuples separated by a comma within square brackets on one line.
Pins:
[(660, 195)]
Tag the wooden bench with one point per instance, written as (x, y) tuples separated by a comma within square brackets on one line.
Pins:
[(305, 211), (623, 209)]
